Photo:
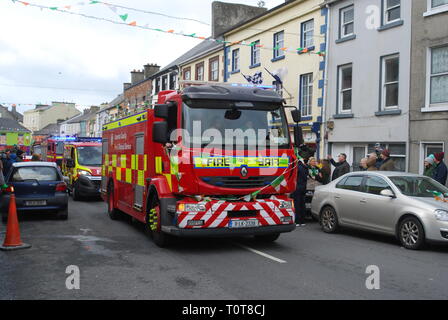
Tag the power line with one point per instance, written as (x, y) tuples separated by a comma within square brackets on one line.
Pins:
[(55, 88)]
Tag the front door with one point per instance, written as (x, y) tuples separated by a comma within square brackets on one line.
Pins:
[(139, 172), (348, 197)]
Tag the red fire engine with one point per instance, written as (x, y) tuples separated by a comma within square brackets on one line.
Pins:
[(53, 148), (176, 186)]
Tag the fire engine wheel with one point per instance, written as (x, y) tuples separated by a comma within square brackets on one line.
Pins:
[(111, 210), (154, 226), (75, 192)]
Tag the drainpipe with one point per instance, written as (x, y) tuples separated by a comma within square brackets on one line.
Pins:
[(324, 108)]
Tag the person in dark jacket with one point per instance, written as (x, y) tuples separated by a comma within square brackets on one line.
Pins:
[(300, 193), (342, 167), (20, 155), (440, 171), (325, 171), (429, 166)]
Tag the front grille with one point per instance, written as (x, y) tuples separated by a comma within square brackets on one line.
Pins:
[(239, 183)]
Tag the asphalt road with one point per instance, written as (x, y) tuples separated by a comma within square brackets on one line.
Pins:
[(117, 261)]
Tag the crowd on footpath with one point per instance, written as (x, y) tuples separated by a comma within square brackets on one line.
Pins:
[(313, 172)]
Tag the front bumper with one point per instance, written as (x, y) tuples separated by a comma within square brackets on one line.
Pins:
[(226, 232), (89, 186), (56, 203)]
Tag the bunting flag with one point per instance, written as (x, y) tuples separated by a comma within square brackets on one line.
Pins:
[(124, 17)]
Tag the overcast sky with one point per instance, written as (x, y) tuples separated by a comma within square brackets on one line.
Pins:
[(50, 56)]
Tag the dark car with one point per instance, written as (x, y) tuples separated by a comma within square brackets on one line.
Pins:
[(38, 187)]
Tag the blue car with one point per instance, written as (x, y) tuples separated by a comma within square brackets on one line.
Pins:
[(38, 187)]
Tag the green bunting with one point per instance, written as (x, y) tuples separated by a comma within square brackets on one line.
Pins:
[(124, 17)]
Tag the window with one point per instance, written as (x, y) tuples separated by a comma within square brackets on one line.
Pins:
[(374, 185), (307, 34), (431, 149), (352, 183), (187, 73), (214, 69), (235, 60), (306, 94), (200, 72), (164, 84), (392, 10), (345, 89), (255, 53), (173, 77), (390, 71), (438, 76), (397, 153), (279, 43), (35, 173), (157, 86), (347, 22), (438, 3)]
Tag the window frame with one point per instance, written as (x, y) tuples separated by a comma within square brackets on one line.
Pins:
[(278, 53), (254, 53), (383, 84), (386, 11), (342, 24), (341, 91), (303, 34), (433, 107), (310, 85), (344, 181), (236, 57), (434, 10), (184, 73), (366, 179), (210, 69), (198, 66)]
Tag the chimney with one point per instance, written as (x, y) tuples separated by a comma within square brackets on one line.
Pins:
[(14, 108), (151, 69), (227, 15), (137, 76), (126, 86)]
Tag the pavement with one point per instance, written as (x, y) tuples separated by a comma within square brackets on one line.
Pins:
[(117, 261)]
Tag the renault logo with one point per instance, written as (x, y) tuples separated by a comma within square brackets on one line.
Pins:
[(244, 171)]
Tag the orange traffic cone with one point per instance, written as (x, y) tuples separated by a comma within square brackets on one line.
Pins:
[(12, 239)]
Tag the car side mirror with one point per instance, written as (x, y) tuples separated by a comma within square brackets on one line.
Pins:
[(160, 132), (388, 193), (298, 136), (296, 116)]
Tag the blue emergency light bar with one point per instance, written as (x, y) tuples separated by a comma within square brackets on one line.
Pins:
[(88, 139), (248, 85), (63, 138)]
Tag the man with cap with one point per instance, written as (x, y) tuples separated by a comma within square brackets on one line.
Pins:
[(429, 166), (440, 171), (388, 164)]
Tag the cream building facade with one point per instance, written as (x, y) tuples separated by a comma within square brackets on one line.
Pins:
[(269, 39), (38, 118)]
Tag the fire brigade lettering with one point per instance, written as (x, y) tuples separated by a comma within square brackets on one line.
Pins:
[(237, 162)]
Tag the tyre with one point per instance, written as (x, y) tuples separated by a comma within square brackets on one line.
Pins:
[(411, 233), (75, 192), (113, 213), (62, 215), (329, 220), (268, 237), (153, 226)]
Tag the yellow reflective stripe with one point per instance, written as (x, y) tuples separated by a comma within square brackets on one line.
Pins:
[(128, 175), (158, 165), (118, 174), (146, 162), (133, 162), (141, 178), (106, 160), (123, 161), (138, 118), (114, 160), (170, 183)]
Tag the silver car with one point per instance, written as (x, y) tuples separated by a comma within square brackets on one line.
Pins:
[(408, 206)]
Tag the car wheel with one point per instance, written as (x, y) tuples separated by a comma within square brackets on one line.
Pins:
[(62, 215), (268, 237), (113, 213), (75, 192), (329, 220), (153, 226), (411, 233)]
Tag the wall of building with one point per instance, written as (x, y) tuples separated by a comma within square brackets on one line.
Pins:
[(426, 128), (206, 59), (289, 19), (365, 124)]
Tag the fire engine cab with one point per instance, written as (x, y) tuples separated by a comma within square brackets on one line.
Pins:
[(81, 167), (167, 168), (53, 148)]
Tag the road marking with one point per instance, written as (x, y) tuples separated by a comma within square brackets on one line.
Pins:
[(261, 253)]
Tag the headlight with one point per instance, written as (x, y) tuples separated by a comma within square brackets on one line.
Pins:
[(441, 215), (84, 173), (286, 205), (191, 207)]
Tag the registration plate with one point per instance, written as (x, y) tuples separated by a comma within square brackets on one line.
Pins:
[(36, 203), (251, 223)]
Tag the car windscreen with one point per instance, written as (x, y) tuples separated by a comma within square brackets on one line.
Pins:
[(422, 187), (90, 156), (37, 173), (235, 124)]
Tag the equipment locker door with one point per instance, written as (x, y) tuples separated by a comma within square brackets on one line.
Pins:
[(139, 186), (105, 148)]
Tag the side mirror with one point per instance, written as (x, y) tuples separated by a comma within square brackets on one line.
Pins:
[(161, 111), (160, 132), (296, 116), (298, 136), (388, 193)]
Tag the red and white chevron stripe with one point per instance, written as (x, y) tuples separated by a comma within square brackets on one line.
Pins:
[(216, 215)]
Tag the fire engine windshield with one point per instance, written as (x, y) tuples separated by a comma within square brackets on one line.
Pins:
[(90, 156), (236, 125), (60, 148)]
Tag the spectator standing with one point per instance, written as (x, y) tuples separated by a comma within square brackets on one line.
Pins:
[(429, 167), (19, 154), (440, 171), (325, 171), (371, 162), (300, 193), (341, 167), (363, 164), (388, 163)]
